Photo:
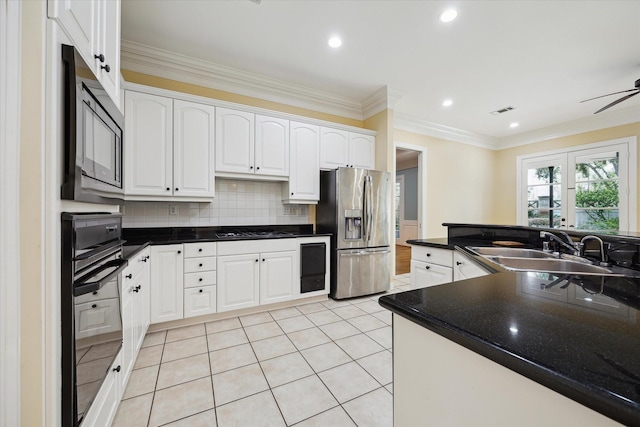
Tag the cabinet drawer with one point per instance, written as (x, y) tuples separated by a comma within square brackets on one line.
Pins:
[(193, 250), (204, 278), (193, 265), (432, 255), (199, 301), (425, 274)]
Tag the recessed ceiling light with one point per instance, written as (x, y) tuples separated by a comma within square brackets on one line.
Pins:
[(335, 42), (514, 125), (448, 15), (447, 103)]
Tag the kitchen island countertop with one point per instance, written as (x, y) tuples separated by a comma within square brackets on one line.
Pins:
[(578, 336)]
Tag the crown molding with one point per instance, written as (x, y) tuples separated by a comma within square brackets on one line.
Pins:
[(383, 99), (425, 127), (596, 122), (162, 63)]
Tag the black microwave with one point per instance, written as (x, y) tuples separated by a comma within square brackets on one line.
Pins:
[(93, 136)]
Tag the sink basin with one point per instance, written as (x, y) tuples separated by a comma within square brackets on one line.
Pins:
[(551, 265), (510, 252)]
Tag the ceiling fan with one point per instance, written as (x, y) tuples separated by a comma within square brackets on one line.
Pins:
[(635, 92)]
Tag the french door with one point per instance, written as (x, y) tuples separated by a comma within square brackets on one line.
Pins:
[(587, 188)]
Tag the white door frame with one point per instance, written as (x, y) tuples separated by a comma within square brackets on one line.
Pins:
[(10, 64), (422, 183)]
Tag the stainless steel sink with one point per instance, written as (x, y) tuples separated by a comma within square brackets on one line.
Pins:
[(510, 252), (551, 265)]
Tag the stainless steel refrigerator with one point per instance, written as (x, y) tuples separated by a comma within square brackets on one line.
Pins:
[(355, 207)]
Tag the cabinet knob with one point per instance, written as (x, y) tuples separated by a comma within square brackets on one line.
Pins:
[(292, 194), (250, 167), (94, 305), (427, 267), (199, 265), (200, 279), (95, 292), (458, 263), (99, 57), (136, 290), (179, 252), (144, 259), (200, 250), (128, 276), (176, 189), (117, 368), (200, 291), (262, 259), (106, 68), (168, 189), (258, 168), (256, 260), (428, 255)]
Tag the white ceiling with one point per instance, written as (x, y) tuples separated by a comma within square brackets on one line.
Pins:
[(541, 57)]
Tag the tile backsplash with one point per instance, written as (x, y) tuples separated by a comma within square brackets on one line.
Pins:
[(236, 202)]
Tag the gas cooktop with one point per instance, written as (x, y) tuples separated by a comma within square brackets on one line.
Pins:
[(232, 234)]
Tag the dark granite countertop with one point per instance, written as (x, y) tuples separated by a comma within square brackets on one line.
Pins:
[(176, 235), (576, 335), (442, 242)]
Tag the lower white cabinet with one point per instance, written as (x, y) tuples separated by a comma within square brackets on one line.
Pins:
[(434, 266), (278, 276), (465, 268), (199, 301), (167, 283), (238, 281)]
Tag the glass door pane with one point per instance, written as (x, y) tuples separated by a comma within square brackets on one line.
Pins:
[(545, 195)]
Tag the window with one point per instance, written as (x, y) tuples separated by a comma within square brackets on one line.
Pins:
[(591, 188)]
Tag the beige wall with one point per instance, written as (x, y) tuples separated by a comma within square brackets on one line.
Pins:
[(505, 166), (459, 184), (31, 249)]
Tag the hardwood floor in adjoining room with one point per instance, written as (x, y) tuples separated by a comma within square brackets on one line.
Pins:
[(403, 259)]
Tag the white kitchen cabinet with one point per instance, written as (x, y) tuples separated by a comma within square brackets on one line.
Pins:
[(362, 149), (430, 266), (278, 276), (465, 268), (304, 165), (238, 281), (200, 279), (169, 149), (94, 28), (167, 268), (193, 133), (251, 144), (135, 309), (339, 148)]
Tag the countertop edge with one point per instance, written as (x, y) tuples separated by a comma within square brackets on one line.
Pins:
[(433, 243), (597, 399)]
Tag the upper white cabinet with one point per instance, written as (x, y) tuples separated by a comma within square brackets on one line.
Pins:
[(340, 148), (168, 148), (304, 164), (94, 28), (252, 144)]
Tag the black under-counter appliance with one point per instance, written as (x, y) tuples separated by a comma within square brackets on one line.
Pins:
[(313, 264), (90, 307)]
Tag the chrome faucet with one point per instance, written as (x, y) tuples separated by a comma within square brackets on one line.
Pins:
[(603, 255), (570, 246)]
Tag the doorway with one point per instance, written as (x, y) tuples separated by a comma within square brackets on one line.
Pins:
[(407, 204)]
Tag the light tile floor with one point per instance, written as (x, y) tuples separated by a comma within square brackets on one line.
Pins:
[(319, 364)]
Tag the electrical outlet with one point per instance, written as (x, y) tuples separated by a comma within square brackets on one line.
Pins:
[(173, 209)]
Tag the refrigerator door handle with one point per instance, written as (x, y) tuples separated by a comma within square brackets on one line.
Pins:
[(365, 252), (365, 209)]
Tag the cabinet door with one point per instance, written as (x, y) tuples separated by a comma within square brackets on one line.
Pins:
[(238, 282), (199, 301), (97, 317), (79, 19), (234, 141), (278, 276), (166, 283), (148, 144), (304, 177), (272, 146), (103, 409), (128, 326), (334, 148), (362, 150), (424, 274), (108, 45), (193, 149), (144, 301), (464, 268)]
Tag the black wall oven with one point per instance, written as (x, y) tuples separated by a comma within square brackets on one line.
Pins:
[(93, 136), (90, 307)]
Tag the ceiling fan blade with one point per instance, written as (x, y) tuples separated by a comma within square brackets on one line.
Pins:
[(609, 94), (617, 102)]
